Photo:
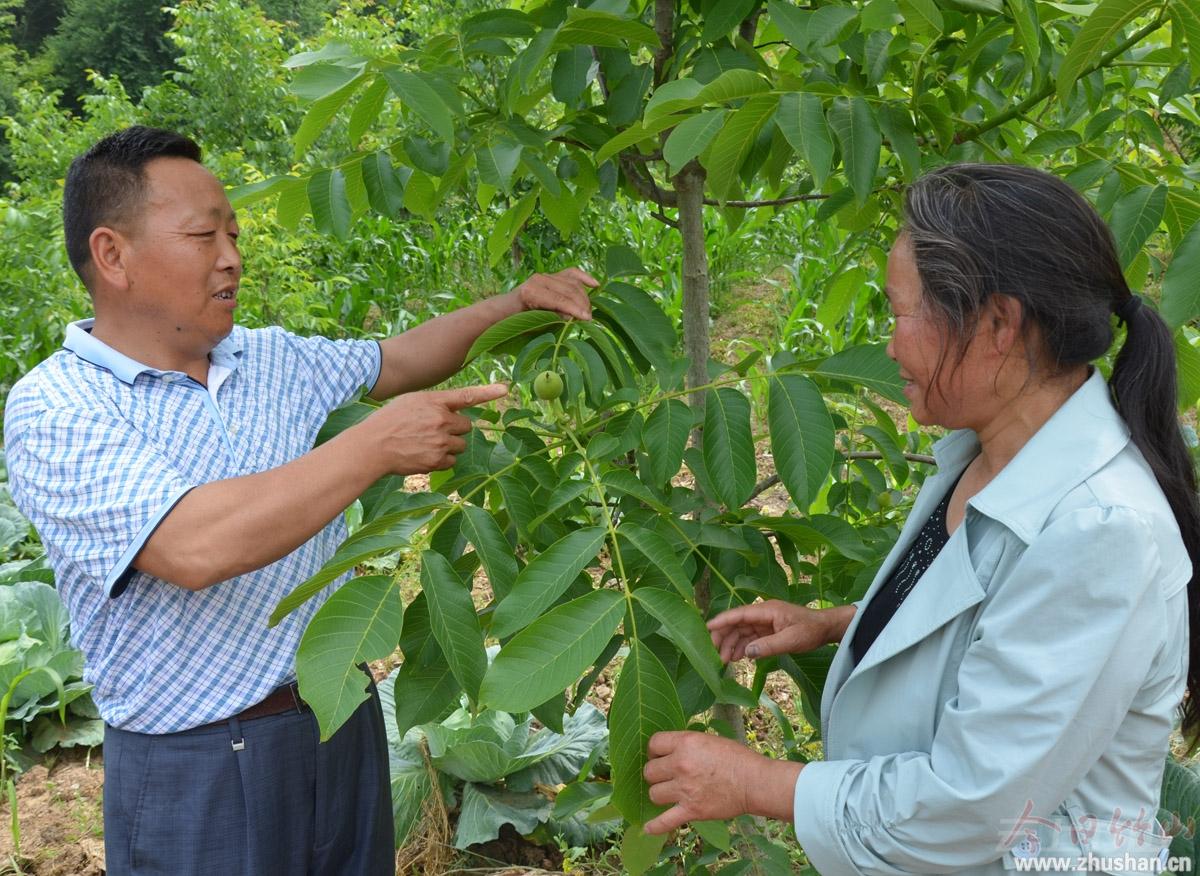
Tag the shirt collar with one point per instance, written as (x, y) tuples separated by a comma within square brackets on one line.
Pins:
[(82, 343), (1077, 441)]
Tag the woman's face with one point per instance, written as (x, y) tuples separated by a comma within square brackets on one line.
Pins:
[(919, 340)]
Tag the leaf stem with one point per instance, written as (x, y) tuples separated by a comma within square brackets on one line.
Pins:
[(455, 506), (562, 334), (608, 522)]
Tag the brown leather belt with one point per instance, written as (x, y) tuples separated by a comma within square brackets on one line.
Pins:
[(282, 699)]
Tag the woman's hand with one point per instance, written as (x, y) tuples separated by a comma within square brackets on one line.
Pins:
[(708, 777), (776, 627)]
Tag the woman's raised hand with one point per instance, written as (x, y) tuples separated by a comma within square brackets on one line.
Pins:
[(772, 627)]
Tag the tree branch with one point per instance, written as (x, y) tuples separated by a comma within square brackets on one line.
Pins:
[(766, 484), (1170, 137), (749, 27), (647, 188), (665, 219), (643, 159), (773, 202), (664, 26), (923, 458), (1048, 89), (601, 79), (571, 141)]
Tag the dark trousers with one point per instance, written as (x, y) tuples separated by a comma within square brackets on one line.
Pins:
[(190, 804)]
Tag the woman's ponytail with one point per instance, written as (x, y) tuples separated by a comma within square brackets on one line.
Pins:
[(1143, 385)]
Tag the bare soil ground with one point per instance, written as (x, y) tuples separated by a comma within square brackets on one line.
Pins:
[(59, 810)]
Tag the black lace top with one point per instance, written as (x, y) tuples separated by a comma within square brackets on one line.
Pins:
[(925, 548)]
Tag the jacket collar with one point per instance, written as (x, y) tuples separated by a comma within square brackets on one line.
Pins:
[(1080, 438), (82, 343)]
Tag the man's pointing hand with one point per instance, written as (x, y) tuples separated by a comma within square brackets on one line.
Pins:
[(422, 431)]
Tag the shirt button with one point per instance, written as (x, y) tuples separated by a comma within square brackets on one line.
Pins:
[(167, 378)]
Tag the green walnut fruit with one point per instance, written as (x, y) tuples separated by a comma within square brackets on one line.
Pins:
[(548, 386)]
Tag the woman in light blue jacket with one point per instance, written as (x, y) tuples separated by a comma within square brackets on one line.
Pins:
[(1006, 689)]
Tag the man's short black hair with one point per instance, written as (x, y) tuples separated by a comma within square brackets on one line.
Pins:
[(107, 184)]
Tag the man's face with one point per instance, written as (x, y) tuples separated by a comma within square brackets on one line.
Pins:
[(181, 258)]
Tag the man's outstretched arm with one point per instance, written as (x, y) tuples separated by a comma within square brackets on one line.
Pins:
[(433, 351), (226, 528)]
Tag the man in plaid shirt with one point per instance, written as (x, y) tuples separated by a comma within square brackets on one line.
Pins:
[(165, 457)]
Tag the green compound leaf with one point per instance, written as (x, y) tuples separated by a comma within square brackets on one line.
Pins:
[(385, 190), (497, 162), (801, 119), (641, 319), (1187, 369), (665, 437), (570, 75), (659, 552), (292, 203), (640, 851), (362, 621), (1101, 27), (734, 142), (317, 81), (386, 533), (525, 323), (732, 85), (729, 446), (858, 132), (922, 17), (1028, 29), (722, 17), (321, 113), (1135, 217), (330, 206), (645, 703), (1181, 283), (424, 693), (1049, 142), (588, 27), (635, 133), (866, 365), (422, 98), (552, 652), (496, 554), (454, 621), (625, 483), (1187, 18), (801, 436), (366, 111), (692, 137), (547, 577), (683, 625)]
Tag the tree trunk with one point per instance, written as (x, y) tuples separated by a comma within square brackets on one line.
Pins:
[(689, 187)]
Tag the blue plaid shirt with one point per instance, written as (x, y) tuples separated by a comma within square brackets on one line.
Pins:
[(101, 447)]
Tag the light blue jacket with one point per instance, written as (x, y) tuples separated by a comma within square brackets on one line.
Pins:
[(1023, 694)]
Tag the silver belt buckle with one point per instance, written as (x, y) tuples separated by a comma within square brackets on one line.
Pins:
[(294, 690)]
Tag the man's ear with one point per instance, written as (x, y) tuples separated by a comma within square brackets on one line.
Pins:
[(108, 248), (1003, 314)]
